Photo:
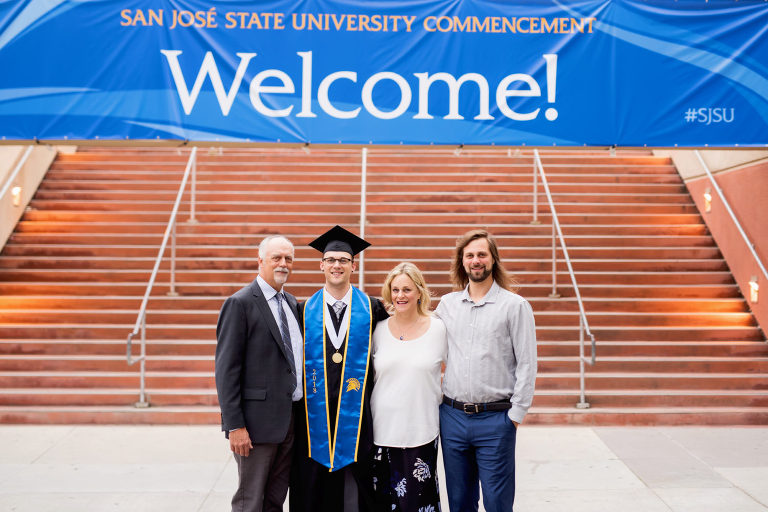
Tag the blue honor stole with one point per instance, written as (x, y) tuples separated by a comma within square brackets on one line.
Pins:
[(354, 372)]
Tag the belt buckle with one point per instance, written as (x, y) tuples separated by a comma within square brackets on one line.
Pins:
[(468, 408)]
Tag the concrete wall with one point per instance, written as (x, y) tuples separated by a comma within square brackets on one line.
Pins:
[(28, 179), (743, 178)]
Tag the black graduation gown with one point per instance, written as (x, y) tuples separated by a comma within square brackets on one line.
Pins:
[(312, 487)]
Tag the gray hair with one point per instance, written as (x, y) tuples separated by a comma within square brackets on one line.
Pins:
[(264, 243)]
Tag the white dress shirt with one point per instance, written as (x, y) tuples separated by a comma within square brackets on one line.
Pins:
[(297, 343), (337, 338)]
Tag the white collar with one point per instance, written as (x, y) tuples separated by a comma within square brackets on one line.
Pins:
[(266, 289), (346, 299)]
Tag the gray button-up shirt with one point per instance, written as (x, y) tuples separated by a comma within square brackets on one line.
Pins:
[(491, 349)]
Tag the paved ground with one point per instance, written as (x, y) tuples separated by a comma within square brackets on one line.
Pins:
[(568, 469)]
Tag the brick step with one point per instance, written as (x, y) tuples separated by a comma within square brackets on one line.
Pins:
[(208, 235), (543, 318), (626, 398), (586, 270), (651, 320), (254, 191), (591, 305), (305, 276), (103, 363), (97, 347), (691, 270), (105, 379), (653, 381), (646, 416), (125, 415), (107, 397), (113, 331), (355, 156), (408, 230), (375, 165), (380, 252), (207, 397), (668, 334), (129, 208), (286, 180), (545, 381), (202, 415), (328, 218), (212, 191), (225, 289), (203, 347), (547, 364), (658, 349), (658, 364)]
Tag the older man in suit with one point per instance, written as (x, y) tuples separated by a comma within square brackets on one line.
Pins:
[(259, 348)]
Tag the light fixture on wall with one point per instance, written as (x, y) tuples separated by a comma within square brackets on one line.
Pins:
[(753, 289), (16, 195), (708, 200)]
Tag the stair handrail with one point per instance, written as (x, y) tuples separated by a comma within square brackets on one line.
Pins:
[(727, 205), (16, 170), (583, 323), (141, 320)]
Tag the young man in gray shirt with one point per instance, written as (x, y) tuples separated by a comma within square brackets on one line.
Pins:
[(489, 376)]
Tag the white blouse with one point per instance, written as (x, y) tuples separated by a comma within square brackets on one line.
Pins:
[(406, 392)]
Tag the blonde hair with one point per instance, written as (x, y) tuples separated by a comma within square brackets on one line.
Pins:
[(415, 275)]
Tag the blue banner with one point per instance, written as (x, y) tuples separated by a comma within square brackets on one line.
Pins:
[(490, 72)]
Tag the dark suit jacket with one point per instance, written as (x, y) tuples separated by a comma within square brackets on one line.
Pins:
[(253, 376)]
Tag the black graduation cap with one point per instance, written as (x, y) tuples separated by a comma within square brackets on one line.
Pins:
[(339, 239)]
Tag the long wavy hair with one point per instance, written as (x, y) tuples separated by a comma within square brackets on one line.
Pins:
[(459, 276)]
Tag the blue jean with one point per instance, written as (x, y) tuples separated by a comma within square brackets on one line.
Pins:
[(478, 448)]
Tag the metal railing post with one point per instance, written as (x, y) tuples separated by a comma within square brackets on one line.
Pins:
[(193, 189), (583, 324), (172, 290), (583, 404), (141, 318), (363, 185), (535, 190), (142, 366), (554, 294)]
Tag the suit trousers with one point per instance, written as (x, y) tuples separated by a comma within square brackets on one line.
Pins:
[(478, 447), (263, 475)]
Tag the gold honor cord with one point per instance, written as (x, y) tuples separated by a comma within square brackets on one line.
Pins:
[(365, 379), (341, 388), (306, 399), (325, 384)]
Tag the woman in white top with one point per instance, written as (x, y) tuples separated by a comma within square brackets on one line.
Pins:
[(409, 349)]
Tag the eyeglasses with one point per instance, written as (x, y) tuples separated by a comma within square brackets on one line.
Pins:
[(341, 261)]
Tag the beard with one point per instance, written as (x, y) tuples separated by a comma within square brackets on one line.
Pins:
[(481, 277), (281, 275)]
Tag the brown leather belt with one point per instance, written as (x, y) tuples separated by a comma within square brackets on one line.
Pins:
[(471, 408)]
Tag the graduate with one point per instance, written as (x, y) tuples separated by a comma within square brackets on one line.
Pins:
[(331, 469)]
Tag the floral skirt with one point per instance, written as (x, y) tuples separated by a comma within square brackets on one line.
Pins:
[(406, 478)]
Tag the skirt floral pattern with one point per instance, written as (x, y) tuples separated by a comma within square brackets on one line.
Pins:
[(405, 479)]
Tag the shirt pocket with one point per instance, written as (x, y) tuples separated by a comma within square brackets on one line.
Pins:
[(492, 334)]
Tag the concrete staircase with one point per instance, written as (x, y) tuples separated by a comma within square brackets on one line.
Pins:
[(676, 341)]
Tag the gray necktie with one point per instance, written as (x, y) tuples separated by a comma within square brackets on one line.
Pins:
[(338, 307), (286, 333)]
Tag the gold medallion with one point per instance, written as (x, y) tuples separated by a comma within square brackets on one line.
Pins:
[(336, 357)]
